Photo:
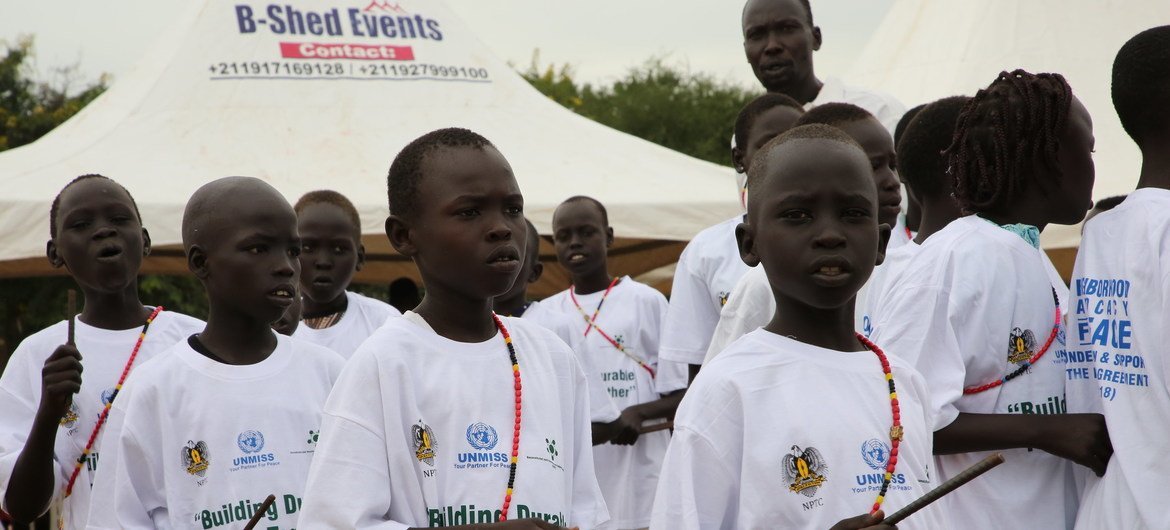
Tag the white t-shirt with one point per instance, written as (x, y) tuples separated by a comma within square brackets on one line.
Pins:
[(104, 354), (417, 433), (198, 443), (707, 270), (601, 407), (362, 316), (632, 315), (1118, 361), (974, 303), (882, 280), (751, 306), (768, 401)]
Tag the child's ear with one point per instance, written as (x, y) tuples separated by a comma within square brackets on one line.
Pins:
[(883, 240), (537, 272), (608, 236), (145, 242), (398, 232), (737, 160), (197, 262), (746, 240), (361, 256), (816, 33), (54, 258)]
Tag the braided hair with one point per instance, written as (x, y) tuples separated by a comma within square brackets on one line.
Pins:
[(1005, 133)]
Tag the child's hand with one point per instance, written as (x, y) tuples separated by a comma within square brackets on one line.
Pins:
[(1082, 438), (864, 522), (628, 425), (60, 379)]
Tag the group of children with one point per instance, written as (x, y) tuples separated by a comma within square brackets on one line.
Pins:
[(819, 363)]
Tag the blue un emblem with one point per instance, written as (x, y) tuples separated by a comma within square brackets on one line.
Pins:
[(482, 436), (250, 441), (875, 453)]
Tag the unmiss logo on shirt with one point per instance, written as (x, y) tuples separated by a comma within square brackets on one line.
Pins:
[(875, 453), (1021, 345), (250, 441), (196, 458), (803, 470), (482, 436)]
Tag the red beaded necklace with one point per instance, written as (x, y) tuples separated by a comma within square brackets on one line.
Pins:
[(516, 428), (1026, 364), (895, 428), (591, 324), (106, 411)]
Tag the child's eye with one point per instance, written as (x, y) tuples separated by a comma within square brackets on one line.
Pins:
[(306, 248), (338, 249), (294, 251), (514, 210), (856, 213), (795, 215), (256, 249), (470, 212)]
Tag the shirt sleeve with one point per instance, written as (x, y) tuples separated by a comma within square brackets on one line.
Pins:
[(20, 393), (349, 484), (917, 324), (128, 488), (691, 316), (750, 306), (696, 490), (588, 506), (601, 406)]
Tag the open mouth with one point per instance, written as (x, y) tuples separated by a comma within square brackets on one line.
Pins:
[(576, 257), (109, 252), (831, 271), (774, 68), (282, 294), (504, 258)]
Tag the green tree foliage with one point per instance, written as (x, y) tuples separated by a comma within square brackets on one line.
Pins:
[(692, 113)]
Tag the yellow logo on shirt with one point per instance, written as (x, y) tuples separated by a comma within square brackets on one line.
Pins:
[(196, 458), (1021, 345), (804, 469), (424, 442), (723, 296), (70, 417)]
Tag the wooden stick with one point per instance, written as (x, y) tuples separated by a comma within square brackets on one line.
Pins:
[(935, 494), (656, 427), (260, 512), (71, 311)]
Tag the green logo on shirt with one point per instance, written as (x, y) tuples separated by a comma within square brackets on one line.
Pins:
[(551, 445)]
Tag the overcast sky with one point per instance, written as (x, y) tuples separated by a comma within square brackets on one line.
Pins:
[(601, 39)]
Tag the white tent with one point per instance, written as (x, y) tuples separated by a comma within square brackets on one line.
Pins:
[(322, 94), (928, 49)]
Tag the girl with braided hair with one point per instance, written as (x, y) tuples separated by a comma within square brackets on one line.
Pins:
[(978, 309)]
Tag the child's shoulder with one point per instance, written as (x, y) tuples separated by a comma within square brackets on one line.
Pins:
[(35, 348), (372, 306), (177, 323), (641, 291), (544, 340), (306, 351)]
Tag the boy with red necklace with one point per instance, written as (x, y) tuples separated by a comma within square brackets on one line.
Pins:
[(205, 432), (978, 309), (452, 415), (620, 321), (804, 421), (51, 412)]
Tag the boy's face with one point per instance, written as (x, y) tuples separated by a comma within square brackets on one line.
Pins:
[(468, 233), (99, 237), (1073, 195), (813, 223), (251, 265), (768, 125), (879, 148), (581, 237), (779, 42), (330, 252)]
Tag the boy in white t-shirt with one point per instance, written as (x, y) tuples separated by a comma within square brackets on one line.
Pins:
[(923, 169), (1119, 362), (452, 416), (49, 421), (709, 266), (797, 425), (515, 303), (201, 435), (620, 320), (978, 309), (331, 235), (751, 302)]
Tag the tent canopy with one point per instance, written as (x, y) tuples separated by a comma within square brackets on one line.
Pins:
[(321, 95), (929, 49)]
